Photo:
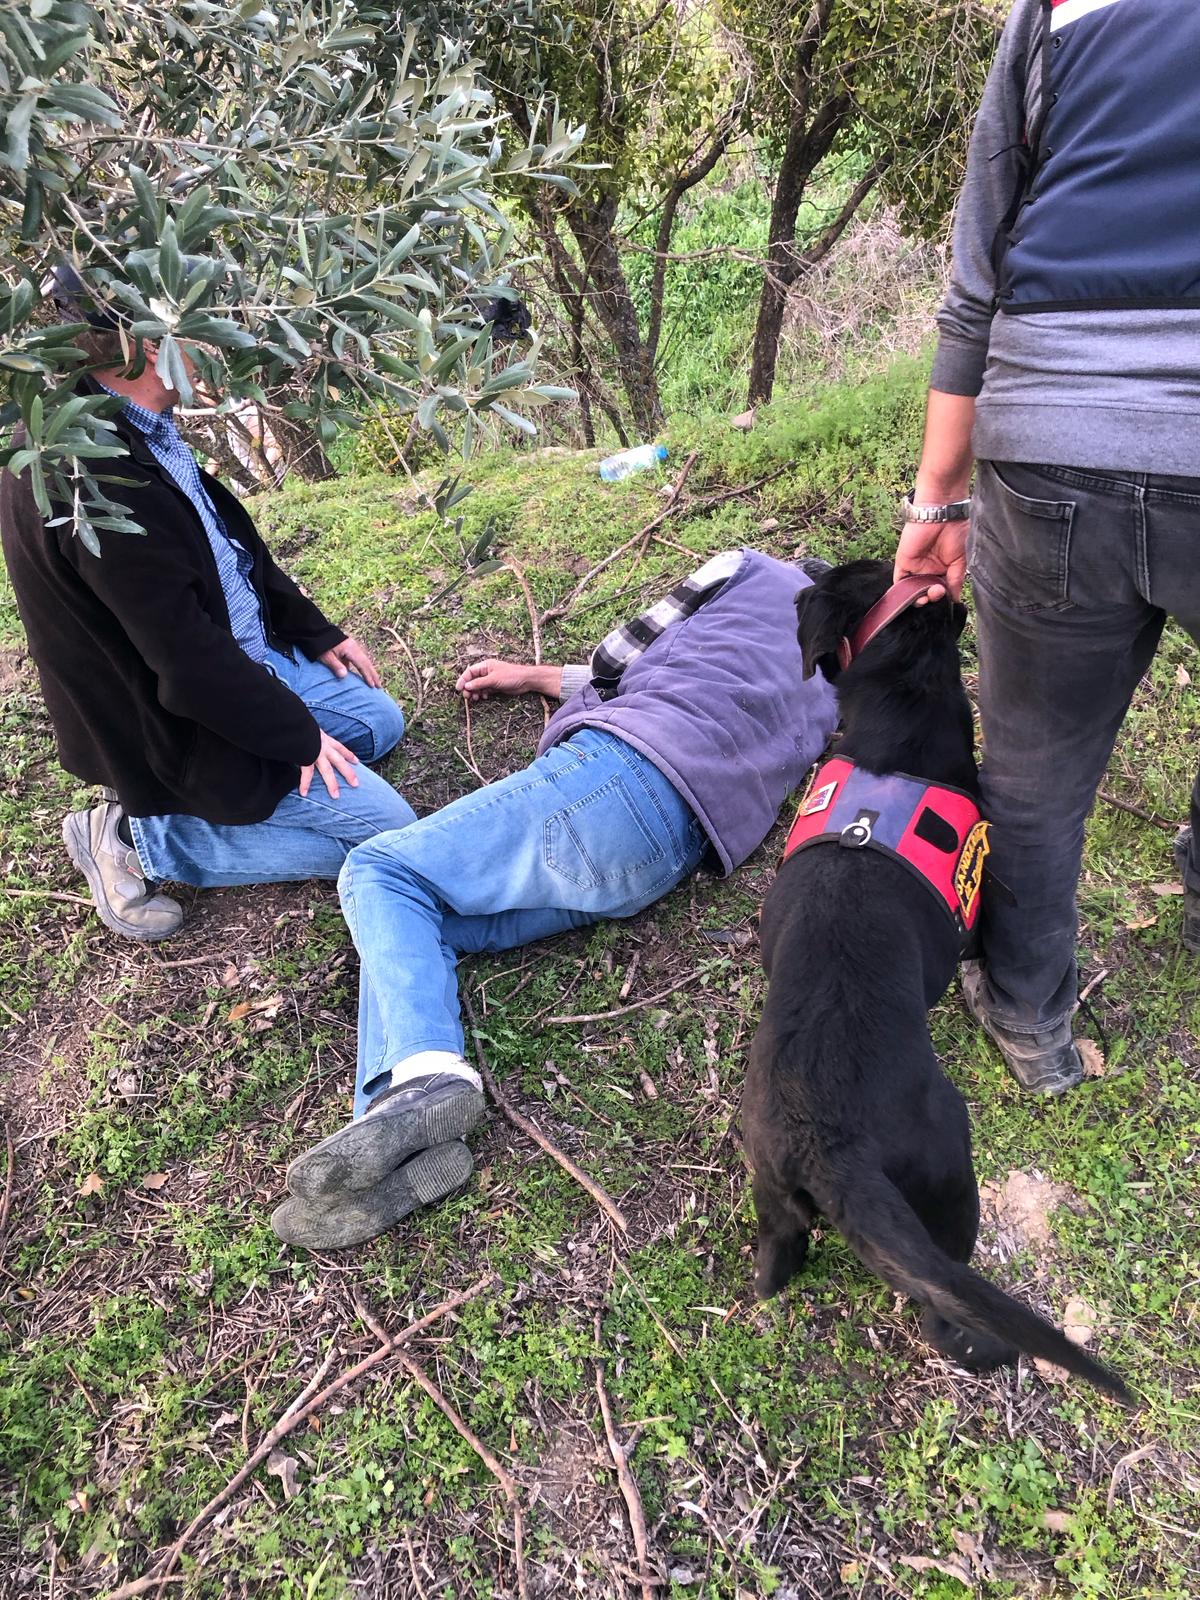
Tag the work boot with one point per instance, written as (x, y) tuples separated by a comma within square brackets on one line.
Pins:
[(1191, 896), (424, 1111), (125, 901), (351, 1217), (1043, 1060)]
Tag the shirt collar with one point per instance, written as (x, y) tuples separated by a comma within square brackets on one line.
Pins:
[(153, 424)]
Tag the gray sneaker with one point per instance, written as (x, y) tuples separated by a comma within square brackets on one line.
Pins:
[(1045, 1061), (425, 1111), (125, 901), (1191, 897), (352, 1217)]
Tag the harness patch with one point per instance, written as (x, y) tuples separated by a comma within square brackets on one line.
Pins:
[(936, 831), (968, 874)]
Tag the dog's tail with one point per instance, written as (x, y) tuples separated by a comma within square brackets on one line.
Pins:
[(887, 1236)]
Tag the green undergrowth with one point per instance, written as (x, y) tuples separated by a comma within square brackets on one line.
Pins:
[(153, 1326)]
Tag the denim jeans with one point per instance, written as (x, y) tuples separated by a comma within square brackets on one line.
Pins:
[(591, 829), (1074, 575), (306, 836)]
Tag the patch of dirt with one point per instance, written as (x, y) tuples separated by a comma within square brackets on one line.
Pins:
[(16, 671), (565, 1486), (1018, 1211)]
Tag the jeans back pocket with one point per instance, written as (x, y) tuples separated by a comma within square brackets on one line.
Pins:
[(600, 840), (1020, 542)]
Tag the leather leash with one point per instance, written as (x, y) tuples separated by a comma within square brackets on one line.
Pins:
[(897, 600)]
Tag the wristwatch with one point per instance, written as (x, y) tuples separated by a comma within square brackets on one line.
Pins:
[(950, 511)]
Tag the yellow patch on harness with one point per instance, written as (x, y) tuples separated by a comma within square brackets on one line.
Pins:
[(968, 874)]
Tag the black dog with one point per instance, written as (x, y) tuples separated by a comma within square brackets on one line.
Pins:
[(846, 1110)]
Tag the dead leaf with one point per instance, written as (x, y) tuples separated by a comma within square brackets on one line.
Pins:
[(92, 1184), (266, 1007), (951, 1566), (850, 1572), (972, 1548), (1161, 889), (1135, 923), (647, 1083), (769, 525), (229, 978), (744, 420), (286, 1469), (1182, 676), (154, 1180), (1092, 1057), (1057, 1521), (1049, 1373)]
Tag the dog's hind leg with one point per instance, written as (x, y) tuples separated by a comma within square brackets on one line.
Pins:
[(784, 1219), (953, 1225)]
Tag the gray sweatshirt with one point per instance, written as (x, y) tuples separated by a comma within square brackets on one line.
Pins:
[(1090, 388)]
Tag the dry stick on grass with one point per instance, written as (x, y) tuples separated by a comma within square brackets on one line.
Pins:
[(10, 1158), (535, 632), (503, 1477), (303, 1407), (627, 1484), (48, 894), (469, 759), (416, 671), (621, 1011), (599, 1194), (563, 606), (1151, 817)]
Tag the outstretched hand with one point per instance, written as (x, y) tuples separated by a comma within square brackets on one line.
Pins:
[(933, 547), (482, 679), (331, 759)]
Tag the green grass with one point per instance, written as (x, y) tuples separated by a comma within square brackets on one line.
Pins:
[(151, 1332)]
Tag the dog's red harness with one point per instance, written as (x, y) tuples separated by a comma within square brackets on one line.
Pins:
[(936, 831)]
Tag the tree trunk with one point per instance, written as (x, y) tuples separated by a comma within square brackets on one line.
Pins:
[(591, 225), (302, 450)]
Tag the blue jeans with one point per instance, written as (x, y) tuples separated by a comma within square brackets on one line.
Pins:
[(306, 836), (591, 829), (1074, 574)]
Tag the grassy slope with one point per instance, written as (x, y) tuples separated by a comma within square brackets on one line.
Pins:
[(154, 1329)]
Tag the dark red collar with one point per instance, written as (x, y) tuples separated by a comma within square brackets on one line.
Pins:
[(906, 592)]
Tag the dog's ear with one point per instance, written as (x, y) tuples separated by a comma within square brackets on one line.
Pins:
[(823, 618), (960, 617)]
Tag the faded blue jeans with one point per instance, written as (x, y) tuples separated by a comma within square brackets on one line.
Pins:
[(306, 836), (1074, 574), (591, 829)]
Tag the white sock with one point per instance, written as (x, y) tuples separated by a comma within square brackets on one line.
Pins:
[(426, 1062)]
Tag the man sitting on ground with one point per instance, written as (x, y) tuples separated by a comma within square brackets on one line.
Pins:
[(223, 714), (681, 742)]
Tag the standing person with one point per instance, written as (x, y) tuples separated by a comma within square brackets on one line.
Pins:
[(681, 742), (224, 715), (1068, 365)]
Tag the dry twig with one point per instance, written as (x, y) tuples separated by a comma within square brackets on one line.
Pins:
[(643, 534), (627, 1484), (303, 1407), (46, 894), (503, 1477), (1151, 817), (598, 1193), (414, 669), (621, 1011), (10, 1157)]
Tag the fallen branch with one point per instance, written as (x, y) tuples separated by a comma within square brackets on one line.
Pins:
[(622, 1011), (469, 758), (518, 572), (1151, 817), (504, 1478), (630, 1492), (643, 534), (10, 1157), (599, 1194), (303, 1407), (416, 671), (48, 894)]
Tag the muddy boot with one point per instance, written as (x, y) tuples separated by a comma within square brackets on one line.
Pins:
[(1191, 889), (1042, 1060), (124, 900), (352, 1217)]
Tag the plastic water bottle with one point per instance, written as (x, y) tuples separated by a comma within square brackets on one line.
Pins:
[(614, 468)]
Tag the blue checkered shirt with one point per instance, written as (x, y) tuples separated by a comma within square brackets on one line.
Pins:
[(234, 563)]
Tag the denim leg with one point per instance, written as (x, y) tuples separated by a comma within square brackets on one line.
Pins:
[(589, 830), (1064, 635), (306, 836), (368, 721)]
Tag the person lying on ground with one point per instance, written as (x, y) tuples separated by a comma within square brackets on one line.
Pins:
[(224, 716), (679, 744)]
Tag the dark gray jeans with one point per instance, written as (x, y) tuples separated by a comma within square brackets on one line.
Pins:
[(1074, 574)]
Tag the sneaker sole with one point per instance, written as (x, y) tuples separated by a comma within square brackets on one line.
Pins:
[(77, 838), (353, 1218), (362, 1153)]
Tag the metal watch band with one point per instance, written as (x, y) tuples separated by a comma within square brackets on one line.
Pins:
[(950, 511)]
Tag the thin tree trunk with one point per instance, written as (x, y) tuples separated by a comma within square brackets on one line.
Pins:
[(592, 227)]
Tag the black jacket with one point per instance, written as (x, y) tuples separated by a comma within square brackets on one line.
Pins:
[(146, 686)]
